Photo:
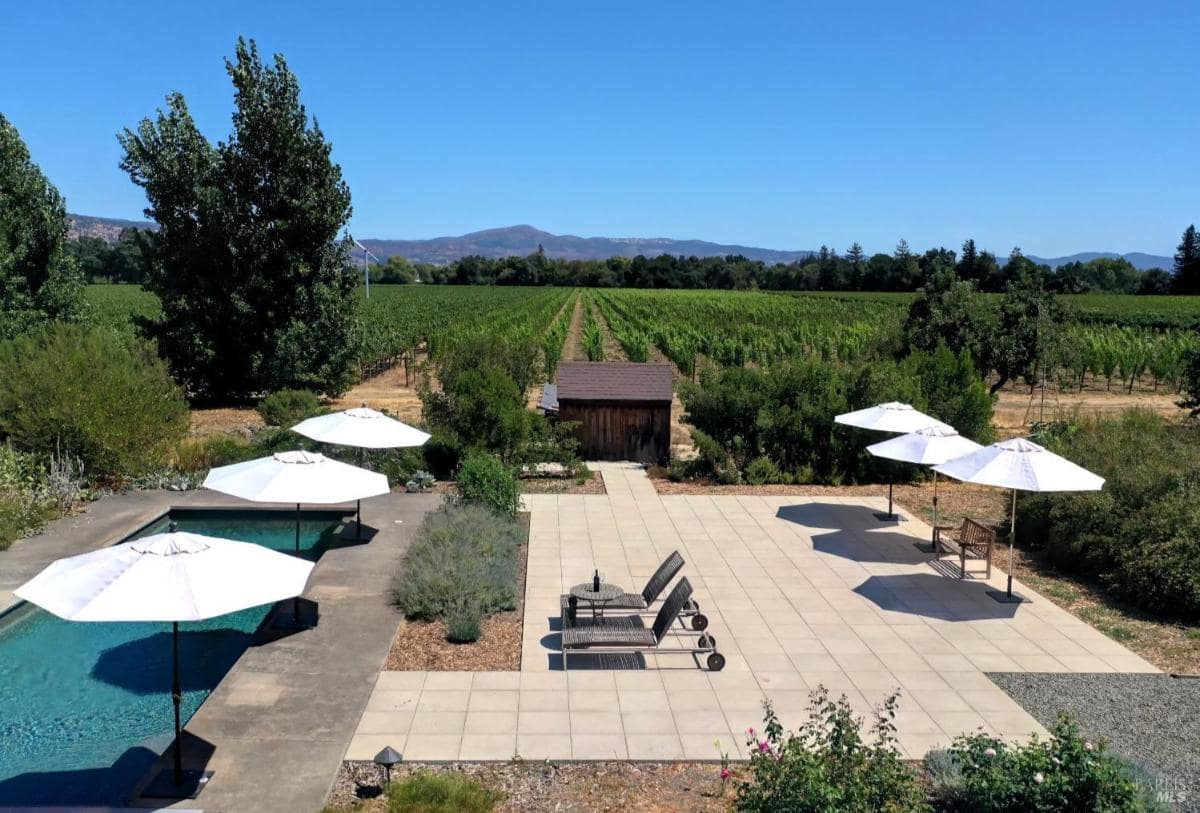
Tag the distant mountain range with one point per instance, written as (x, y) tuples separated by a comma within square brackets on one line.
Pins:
[(522, 240), (106, 228)]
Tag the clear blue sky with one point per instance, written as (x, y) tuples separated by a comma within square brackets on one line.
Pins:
[(1056, 126)]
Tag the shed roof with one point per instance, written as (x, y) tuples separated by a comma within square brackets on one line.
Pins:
[(613, 381)]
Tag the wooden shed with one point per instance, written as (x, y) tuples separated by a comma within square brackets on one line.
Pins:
[(623, 409)]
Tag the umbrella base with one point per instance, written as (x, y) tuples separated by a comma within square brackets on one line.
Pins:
[(163, 785), (883, 516), (1003, 597)]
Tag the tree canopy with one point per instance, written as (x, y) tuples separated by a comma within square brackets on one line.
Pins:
[(247, 260), (38, 281)]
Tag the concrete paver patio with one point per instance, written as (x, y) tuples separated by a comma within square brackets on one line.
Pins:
[(799, 592)]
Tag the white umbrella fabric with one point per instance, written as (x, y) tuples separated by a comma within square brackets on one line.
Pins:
[(930, 446), (173, 577), (364, 428), (892, 416), (1020, 465), (297, 477)]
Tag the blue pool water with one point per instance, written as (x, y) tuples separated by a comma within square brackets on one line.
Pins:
[(85, 708)]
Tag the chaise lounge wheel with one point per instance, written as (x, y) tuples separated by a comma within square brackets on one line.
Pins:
[(692, 606), (716, 662), (707, 641), (699, 622)]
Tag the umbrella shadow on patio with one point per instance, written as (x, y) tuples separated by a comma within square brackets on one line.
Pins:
[(888, 547), (144, 665), (933, 596), (832, 515)]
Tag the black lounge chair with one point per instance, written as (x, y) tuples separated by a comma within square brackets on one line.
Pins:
[(626, 638), (642, 601)]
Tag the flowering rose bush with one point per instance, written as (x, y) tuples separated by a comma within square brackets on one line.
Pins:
[(1066, 772), (826, 766)]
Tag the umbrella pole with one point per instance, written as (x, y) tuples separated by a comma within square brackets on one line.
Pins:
[(933, 538), (296, 600), (358, 519), (1012, 538), (177, 699), (891, 483)]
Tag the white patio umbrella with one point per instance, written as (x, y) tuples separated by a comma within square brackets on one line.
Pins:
[(892, 416), (174, 577), (364, 428), (1020, 465), (297, 477), (930, 446)]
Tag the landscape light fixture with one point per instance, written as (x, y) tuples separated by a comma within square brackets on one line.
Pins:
[(385, 759)]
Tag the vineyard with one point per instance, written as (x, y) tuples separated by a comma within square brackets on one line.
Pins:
[(1109, 342)]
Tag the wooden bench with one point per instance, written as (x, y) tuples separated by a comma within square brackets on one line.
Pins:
[(971, 540)]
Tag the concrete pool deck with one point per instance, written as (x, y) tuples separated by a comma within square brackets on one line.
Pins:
[(799, 592), (275, 729)]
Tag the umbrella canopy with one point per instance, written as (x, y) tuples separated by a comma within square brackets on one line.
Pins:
[(1022, 465), (890, 417), (296, 477), (363, 427), (166, 577), (929, 446)]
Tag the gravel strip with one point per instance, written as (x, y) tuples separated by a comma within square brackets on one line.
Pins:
[(578, 787), (1153, 720)]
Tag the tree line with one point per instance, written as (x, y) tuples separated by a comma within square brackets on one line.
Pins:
[(826, 270)]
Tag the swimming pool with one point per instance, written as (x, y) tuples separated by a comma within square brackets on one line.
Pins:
[(85, 708)]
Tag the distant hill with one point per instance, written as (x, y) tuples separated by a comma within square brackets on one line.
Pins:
[(522, 240), (1137, 259), (106, 228)]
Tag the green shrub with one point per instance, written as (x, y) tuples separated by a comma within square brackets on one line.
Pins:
[(463, 552), (286, 408), (93, 395), (827, 766), (464, 621), (983, 774), (429, 792), (954, 391), (201, 454), (1139, 537), (485, 479), (33, 491), (762, 470)]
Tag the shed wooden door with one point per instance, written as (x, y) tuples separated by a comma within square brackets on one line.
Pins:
[(608, 431)]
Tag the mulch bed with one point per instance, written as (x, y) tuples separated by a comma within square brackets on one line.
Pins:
[(422, 645), (594, 484), (653, 787)]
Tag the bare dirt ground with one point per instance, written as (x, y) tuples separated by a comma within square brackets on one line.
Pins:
[(571, 787), (573, 346), (225, 421), (386, 391), (1016, 408)]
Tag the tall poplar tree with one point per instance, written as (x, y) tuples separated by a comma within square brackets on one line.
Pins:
[(38, 279), (247, 260)]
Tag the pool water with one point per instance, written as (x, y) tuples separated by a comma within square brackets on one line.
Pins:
[(85, 708)]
